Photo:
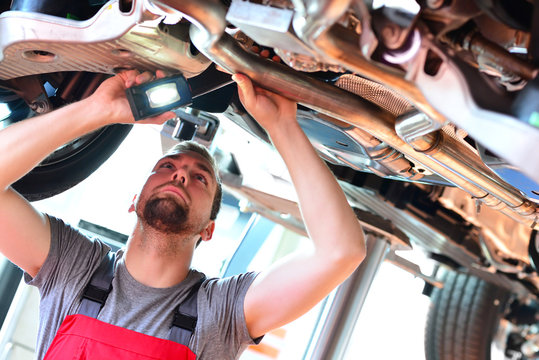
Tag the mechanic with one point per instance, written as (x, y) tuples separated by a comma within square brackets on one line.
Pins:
[(174, 211)]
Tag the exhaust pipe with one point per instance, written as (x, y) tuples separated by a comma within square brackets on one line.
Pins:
[(471, 176), (466, 170), (341, 46), (377, 150), (206, 15)]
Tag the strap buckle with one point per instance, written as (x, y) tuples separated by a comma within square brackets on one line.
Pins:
[(184, 321), (96, 294)]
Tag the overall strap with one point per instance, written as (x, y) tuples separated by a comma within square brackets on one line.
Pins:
[(185, 317), (97, 291)]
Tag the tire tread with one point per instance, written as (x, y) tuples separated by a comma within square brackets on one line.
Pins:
[(462, 318)]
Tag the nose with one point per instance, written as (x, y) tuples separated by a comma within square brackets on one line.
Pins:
[(180, 176)]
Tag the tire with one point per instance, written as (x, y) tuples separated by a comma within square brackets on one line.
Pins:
[(463, 318), (71, 164)]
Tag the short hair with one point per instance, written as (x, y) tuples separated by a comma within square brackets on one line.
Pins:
[(186, 146)]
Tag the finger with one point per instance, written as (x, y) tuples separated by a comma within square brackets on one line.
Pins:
[(267, 93), (161, 74), (144, 77), (261, 90), (159, 119), (247, 91), (128, 77)]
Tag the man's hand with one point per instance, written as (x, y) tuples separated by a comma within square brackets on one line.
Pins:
[(274, 112), (25, 232), (110, 96), (107, 105)]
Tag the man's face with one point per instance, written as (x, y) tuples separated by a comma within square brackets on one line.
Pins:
[(178, 195)]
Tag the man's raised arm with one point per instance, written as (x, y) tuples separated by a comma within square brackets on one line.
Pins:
[(290, 288), (25, 232)]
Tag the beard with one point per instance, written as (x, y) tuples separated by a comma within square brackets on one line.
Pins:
[(166, 215)]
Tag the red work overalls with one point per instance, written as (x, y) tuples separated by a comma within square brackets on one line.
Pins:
[(82, 336)]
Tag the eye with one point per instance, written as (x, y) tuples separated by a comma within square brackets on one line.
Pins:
[(201, 178), (167, 165)]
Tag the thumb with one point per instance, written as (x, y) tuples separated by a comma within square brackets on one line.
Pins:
[(159, 119), (246, 89)]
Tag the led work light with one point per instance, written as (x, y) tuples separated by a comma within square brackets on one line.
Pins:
[(156, 97)]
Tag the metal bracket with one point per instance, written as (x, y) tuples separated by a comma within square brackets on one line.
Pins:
[(412, 268)]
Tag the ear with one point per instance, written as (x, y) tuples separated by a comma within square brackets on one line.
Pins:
[(132, 207), (207, 233)]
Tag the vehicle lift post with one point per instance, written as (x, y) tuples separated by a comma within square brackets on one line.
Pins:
[(336, 330)]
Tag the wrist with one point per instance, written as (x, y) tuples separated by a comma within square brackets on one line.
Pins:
[(284, 132), (96, 112)]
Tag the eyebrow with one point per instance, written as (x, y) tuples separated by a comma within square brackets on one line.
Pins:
[(200, 165)]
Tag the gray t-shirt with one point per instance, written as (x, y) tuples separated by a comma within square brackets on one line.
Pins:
[(221, 332)]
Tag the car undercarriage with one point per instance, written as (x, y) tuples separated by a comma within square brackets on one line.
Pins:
[(427, 113)]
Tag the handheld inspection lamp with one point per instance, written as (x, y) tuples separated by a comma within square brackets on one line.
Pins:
[(158, 96)]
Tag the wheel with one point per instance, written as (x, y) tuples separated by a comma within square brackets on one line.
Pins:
[(68, 165), (463, 318), (71, 164)]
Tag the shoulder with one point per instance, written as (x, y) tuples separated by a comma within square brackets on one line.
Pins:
[(63, 231), (71, 252), (221, 330), (230, 282), (218, 290)]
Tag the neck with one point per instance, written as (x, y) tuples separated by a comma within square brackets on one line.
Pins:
[(156, 259)]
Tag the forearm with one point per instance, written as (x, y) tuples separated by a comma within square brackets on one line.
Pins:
[(339, 247), (26, 143), (329, 219), (330, 222)]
